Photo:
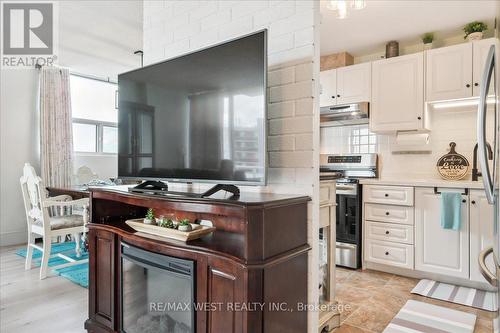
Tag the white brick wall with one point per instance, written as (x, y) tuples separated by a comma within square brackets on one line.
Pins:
[(172, 28)]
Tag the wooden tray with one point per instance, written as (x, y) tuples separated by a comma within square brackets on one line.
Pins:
[(197, 232)]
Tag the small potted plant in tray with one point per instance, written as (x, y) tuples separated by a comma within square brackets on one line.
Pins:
[(184, 225), (474, 30), (427, 39), (166, 223), (150, 217)]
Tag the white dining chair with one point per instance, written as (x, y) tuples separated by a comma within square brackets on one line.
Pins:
[(40, 222)]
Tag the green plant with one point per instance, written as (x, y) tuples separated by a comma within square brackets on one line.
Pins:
[(428, 37), (184, 222), (475, 26), (167, 223), (150, 215)]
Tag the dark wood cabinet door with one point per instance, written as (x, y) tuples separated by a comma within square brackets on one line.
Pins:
[(102, 275), (225, 291)]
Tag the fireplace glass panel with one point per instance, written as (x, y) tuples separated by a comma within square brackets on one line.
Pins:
[(157, 293)]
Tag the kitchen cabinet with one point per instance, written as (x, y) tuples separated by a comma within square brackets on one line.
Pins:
[(480, 51), (328, 91), (449, 72), (397, 102), (455, 72), (354, 83), (439, 250), (481, 232)]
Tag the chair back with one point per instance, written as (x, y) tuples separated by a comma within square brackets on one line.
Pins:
[(84, 175), (34, 193)]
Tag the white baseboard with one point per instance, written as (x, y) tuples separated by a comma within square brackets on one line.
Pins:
[(13, 238)]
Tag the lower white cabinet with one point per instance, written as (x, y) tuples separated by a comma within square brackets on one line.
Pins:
[(390, 232), (481, 232), (389, 253), (438, 250)]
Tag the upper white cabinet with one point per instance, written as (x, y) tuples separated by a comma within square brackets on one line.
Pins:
[(449, 72), (454, 72), (480, 52), (481, 232), (353, 83), (398, 94), (439, 250), (328, 93)]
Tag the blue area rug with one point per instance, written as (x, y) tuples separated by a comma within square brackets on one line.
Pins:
[(78, 274)]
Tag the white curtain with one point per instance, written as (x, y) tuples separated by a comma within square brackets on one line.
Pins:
[(56, 137)]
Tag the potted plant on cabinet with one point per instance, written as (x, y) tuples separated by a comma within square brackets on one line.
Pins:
[(428, 39), (474, 30), (184, 225), (150, 217)]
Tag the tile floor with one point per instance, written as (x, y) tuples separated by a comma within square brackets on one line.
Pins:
[(368, 300)]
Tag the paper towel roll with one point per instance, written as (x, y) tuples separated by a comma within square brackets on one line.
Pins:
[(412, 139)]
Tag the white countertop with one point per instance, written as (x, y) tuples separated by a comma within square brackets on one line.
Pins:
[(424, 182)]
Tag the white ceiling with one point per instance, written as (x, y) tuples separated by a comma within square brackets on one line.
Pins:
[(99, 37), (368, 30)]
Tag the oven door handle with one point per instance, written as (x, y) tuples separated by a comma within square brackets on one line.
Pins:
[(154, 266)]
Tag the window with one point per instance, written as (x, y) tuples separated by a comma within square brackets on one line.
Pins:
[(95, 116)]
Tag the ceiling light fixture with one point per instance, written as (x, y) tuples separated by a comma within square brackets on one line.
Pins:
[(340, 6)]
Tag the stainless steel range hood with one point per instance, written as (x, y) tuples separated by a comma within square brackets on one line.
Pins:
[(340, 115)]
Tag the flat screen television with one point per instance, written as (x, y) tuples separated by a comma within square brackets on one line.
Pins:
[(200, 117)]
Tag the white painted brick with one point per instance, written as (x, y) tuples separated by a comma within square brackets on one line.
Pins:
[(291, 91), (292, 159), (300, 53), (281, 43), (281, 76), (281, 175), (304, 107), (245, 8), (204, 9), (304, 142), (280, 110), (155, 55), (305, 175), (281, 143), (236, 28), (304, 37), (187, 30), (278, 10), (304, 4), (180, 7), (205, 38), (176, 21), (177, 48), (301, 20), (290, 125), (217, 19), (304, 72)]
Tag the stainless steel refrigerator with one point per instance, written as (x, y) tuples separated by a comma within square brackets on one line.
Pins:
[(489, 98)]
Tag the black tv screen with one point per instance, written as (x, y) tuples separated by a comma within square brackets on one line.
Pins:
[(200, 117)]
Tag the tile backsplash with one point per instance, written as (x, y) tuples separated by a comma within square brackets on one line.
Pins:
[(447, 125)]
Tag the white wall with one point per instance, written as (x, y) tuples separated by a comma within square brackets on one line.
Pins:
[(172, 28), (18, 145)]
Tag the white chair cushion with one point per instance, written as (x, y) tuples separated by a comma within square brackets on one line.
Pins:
[(64, 222)]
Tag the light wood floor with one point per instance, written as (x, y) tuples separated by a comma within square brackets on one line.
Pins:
[(369, 300), (28, 304)]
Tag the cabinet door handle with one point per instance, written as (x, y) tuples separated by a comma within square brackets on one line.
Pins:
[(473, 202), (467, 85), (386, 195), (419, 118), (485, 272), (464, 201), (333, 96), (476, 84), (338, 95), (387, 213), (387, 253), (387, 232)]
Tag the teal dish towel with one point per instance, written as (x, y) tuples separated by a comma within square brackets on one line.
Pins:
[(451, 210)]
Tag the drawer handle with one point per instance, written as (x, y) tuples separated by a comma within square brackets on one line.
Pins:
[(387, 253), (387, 232), (386, 195), (386, 213)]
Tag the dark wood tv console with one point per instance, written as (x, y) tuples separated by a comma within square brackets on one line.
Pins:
[(257, 255)]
